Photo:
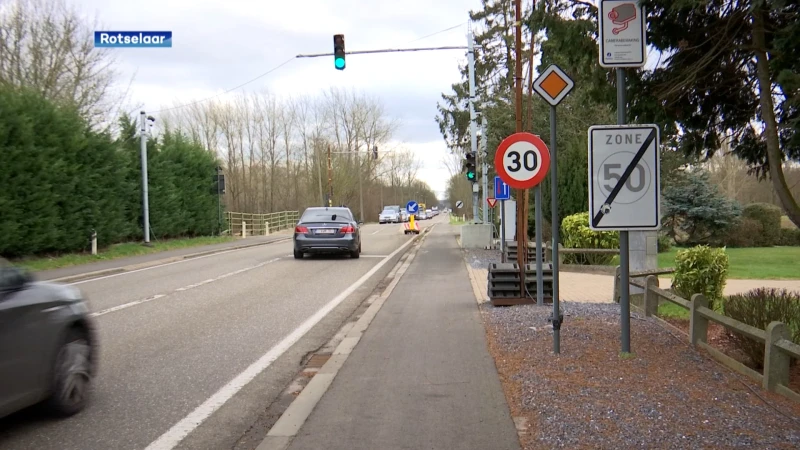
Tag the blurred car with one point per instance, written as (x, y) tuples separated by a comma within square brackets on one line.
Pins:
[(327, 230), (422, 215), (404, 216), (48, 344), (429, 213), (389, 215)]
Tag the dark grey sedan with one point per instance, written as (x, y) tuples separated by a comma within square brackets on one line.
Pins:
[(327, 230), (47, 344)]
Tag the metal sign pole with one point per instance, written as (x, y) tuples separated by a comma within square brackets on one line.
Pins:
[(557, 318), (538, 212), (624, 251)]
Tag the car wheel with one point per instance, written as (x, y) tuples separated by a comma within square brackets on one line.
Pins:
[(72, 375), (298, 255), (357, 253)]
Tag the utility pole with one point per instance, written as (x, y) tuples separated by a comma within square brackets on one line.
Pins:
[(145, 194), (360, 185), (330, 178), (522, 194), (473, 122), (484, 169)]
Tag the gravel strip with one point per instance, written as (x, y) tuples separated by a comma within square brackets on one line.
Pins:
[(665, 395), (480, 258)]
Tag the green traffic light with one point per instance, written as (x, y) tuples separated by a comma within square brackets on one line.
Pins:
[(339, 62), (471, 175)]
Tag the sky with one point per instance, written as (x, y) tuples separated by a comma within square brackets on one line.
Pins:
[(220, 44)]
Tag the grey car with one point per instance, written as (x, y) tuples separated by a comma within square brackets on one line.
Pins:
[(47, 344), (327, 230)]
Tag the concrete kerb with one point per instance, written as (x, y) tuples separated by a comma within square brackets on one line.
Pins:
[(105, 272), (291, 421)]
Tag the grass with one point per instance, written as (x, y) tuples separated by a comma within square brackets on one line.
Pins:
[(765, 263), (672, 311), (456, 220), (117, 251)]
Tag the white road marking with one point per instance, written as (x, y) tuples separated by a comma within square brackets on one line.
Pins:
[(377, 231), (181, 289), (374, 256), (170, 439), (164, 265)]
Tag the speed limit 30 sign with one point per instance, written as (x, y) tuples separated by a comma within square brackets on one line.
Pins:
[(522, 160), (624, 177)]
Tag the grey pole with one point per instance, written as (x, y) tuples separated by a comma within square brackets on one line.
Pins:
[(145, 195), (539, 285), (360, 186), (484, 169), (219, 202), (473, 122), (624, 250), (502, 231), (555, 230)]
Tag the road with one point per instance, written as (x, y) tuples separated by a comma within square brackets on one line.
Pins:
[(212, 340)]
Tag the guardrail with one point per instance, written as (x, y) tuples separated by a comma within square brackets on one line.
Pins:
[(778, 346), (247, 224)]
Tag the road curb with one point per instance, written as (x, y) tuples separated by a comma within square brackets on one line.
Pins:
[(280, 436), (99, 273)]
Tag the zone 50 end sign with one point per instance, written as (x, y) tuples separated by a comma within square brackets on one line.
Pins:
[(624, 178)]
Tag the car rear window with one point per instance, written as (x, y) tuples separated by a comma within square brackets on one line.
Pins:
[(321, 215)]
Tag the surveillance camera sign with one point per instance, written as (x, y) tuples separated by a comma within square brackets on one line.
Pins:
[(623, 34)]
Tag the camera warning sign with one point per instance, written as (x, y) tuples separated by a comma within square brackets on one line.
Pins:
[(623, 32)]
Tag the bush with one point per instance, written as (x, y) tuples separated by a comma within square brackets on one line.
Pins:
[(770, 218), (745, 234), (789, 237), (575, 233), (758, 308), (701, 270), (664, 243)]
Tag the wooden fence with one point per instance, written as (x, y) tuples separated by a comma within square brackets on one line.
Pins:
[(778, 346), (246, 224)]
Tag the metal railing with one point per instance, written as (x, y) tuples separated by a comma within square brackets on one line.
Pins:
[(778, 346), (247, 224)]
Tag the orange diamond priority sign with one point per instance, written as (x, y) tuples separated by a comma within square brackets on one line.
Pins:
[(553, 85)]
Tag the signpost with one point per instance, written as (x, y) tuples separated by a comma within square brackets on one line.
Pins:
[(624, 178), (459, 204), (553, 85), (622, 44), (412, 207), (623, 33), (522, 161), (502, 192)]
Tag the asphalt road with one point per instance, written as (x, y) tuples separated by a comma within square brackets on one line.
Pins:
[(174, 339)]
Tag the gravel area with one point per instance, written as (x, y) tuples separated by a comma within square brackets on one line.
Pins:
[(480, 258), (664, 395)]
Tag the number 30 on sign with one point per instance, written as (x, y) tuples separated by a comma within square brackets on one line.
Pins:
[(522, 160)]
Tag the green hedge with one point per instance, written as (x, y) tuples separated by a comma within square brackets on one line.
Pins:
[(575, 233), (701, 270), (769, 216), (61, 180)]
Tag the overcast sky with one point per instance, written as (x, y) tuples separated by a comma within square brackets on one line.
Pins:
[(220, 44)]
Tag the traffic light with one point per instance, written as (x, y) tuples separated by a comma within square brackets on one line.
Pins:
[(338, 51), (469, 167), (375, 152)]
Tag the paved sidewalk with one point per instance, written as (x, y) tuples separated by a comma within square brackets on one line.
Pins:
[(157, 256), (421, 377)]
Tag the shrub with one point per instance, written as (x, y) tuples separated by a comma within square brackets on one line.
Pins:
[(745, 234), (664, 243), (575, 233), (789, 237), (701, 270), (770, 218), (758, 308)]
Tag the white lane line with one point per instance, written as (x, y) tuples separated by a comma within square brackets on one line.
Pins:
[(181, 289), (374, 256), (180, 430), (377, 231), (167, 264)]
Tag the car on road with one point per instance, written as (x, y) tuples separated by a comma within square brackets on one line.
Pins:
[(422, 215), (389, 215), (48, 344), (429, 213), (327, 230), (404, 215)]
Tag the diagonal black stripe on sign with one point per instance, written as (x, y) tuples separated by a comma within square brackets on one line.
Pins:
[(625, 175)]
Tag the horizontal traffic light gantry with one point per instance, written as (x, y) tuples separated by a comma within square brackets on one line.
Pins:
[(338, 51), (469, 167)]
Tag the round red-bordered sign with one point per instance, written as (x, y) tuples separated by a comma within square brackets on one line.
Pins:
[(522, 160)]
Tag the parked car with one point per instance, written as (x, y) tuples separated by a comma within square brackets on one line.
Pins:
[(327, 230), (422, 215), (48, 344), (389, 215), (404, 215), (429, 213)]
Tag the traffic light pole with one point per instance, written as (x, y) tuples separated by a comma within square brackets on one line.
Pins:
[(386, 50), (473, 120), (484, 169)]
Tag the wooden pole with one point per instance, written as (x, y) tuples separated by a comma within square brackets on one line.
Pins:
[(522, 194)]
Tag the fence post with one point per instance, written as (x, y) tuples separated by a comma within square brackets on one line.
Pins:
[(244, 229), (560, 254), (266, 228), (650, 298), (94, 242), (776, 362), (548, 253), (698, 325), (617, 274)]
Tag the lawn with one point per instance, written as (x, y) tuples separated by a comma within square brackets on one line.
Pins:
[(456, 220), (117, 251), (768, 263)]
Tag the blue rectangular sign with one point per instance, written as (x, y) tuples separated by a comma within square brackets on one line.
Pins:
[(133, 39), (501, 190)]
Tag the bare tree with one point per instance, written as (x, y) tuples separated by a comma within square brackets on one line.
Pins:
[(46, 45)]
